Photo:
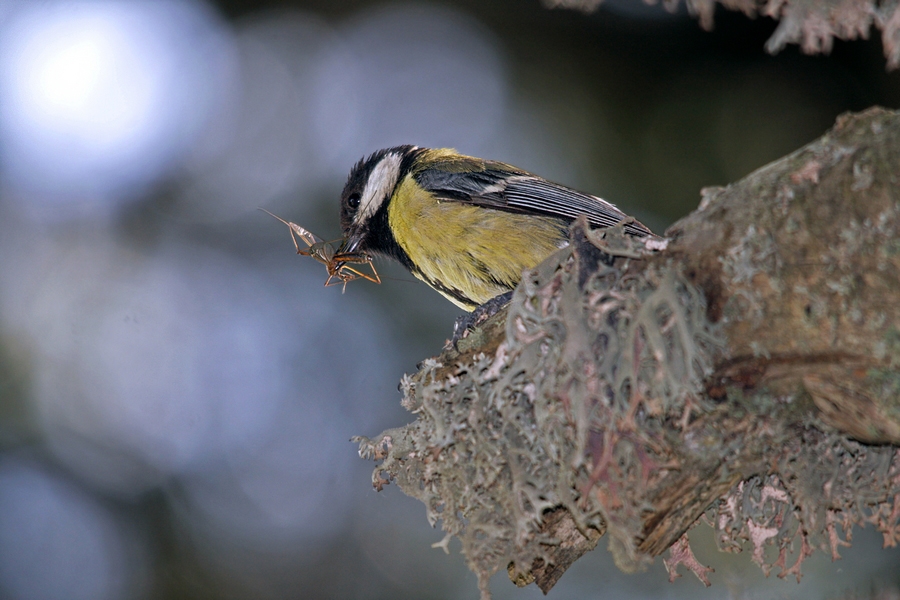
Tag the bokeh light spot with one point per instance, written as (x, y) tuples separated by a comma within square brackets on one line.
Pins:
[(98, 99)]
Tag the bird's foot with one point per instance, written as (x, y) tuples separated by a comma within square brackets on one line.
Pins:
[(482, 313)]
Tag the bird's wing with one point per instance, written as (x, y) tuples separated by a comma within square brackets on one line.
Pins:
[(502, 187)]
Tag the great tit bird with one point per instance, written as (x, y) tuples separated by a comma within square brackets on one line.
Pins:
[(465, 226)]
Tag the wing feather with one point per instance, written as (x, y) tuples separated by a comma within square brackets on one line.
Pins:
[(502, 187)]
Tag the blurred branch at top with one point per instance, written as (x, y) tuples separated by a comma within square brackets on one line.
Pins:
[(813, 24)]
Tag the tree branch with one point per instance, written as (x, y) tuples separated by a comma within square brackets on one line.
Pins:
[(745, 372)]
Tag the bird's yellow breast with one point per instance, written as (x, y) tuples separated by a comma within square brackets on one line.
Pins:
[(476, 251)]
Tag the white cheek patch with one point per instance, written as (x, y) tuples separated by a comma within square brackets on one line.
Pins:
[(380, 184)]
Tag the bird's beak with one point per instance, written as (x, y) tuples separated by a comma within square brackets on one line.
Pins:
[(351, 243)]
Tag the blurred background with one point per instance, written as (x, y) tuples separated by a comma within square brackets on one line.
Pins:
[(177, 388)]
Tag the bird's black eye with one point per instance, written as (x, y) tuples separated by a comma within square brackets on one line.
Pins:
[(353, 201)]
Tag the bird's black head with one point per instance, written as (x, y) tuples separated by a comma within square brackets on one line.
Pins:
[(367, 192)]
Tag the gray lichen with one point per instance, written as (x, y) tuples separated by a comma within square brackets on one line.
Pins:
[(568, 412), (825, 486)]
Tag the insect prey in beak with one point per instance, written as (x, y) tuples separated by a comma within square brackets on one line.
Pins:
[(337, 263)]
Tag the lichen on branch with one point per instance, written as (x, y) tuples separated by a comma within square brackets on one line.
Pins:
[(744, 372)]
